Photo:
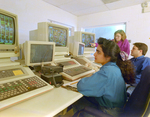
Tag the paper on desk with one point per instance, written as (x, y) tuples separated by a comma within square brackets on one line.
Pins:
[(72, 84)]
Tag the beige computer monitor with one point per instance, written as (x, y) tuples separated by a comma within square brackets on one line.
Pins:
[(9, 42), (86, 38), (51, 32), (38, 52), (78, 49)]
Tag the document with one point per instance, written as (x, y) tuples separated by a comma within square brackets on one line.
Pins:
[(71, 85)]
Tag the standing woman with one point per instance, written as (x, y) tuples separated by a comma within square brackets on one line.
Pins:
[(122, 42), (106, 89), (120, 39)]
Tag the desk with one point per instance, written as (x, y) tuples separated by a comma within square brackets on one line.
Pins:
[(45, 105)]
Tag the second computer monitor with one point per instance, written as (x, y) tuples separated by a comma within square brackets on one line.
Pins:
[(78, 49), (84, 37), (87, 39), (58, 35), (38, 52), (51, 32)]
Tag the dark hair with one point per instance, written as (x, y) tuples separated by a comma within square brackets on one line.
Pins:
[(111, 49), (142, 46), (122, 33)]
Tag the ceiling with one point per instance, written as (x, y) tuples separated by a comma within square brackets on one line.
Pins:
[(85, 7)]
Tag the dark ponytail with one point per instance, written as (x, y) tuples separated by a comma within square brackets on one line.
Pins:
[(127, 69), (111, 49)]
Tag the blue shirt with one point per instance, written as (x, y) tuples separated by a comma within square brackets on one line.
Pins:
[(107, 86), (140, 63)]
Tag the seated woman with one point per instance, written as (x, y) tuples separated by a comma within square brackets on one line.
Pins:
[(106, 89)]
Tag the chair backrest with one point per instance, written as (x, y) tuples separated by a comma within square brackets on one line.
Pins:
[(140, 97)]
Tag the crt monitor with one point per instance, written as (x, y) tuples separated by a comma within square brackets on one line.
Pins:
[(57, 35), (51, 32), (78, 49), (9, 42), (84, 37), (38, 52), (87, 39)]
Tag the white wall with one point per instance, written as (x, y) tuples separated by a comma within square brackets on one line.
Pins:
[(138, 23), (30, 12)]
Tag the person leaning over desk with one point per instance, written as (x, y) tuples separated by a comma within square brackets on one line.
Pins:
[(139, 60), (120, 39), (106, 89)]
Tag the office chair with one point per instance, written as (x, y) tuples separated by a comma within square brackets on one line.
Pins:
[(138, 104)]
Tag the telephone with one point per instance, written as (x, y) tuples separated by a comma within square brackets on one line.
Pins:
[(50, 75)]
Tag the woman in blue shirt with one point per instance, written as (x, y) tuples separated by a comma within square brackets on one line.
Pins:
[(106, 88)]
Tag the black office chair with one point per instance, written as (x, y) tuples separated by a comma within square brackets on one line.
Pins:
[(138, 104)]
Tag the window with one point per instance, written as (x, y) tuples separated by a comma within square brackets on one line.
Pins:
[(106, 31)]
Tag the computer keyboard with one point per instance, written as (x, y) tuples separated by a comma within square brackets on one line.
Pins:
[(9, 73), (18, 90), (76, 70), (81, 61), (67, 63)]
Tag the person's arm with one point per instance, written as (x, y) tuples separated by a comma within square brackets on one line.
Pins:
[(94, 85), (127, 48), (145, 63), (96, 44)]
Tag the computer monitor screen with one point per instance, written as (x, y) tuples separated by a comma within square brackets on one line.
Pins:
[(7, 30), (78, 49), (38, 53), (41, 53), (9, 42), (58, 35), (87, 39), (81, 49)]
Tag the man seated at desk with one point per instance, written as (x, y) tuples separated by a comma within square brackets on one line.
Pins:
[(139, 60)]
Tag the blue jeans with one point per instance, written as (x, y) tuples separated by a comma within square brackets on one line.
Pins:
[(91, 102), (82, 103), (112, 111)]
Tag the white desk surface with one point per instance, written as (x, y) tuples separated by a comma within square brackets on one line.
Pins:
[(44, 105)]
